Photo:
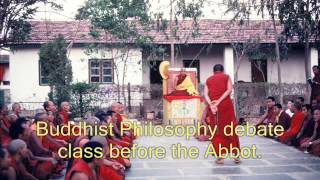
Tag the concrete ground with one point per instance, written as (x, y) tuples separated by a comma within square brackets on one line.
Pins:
[(277, 162)]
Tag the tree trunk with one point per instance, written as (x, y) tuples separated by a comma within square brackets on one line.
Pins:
[(236, 85), (307, 54), (277, 58)]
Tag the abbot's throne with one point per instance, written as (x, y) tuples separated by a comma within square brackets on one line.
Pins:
[(182, 103)]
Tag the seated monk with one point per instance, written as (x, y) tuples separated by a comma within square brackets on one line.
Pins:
[(65, 112), (115, 139), (282, 118), (313, 143), (295, 126), (306, 130), (115, 142), (40, 157), (18, 152), (4, 126), (111, 168), (6, 170), (47, 141), (87, 167), (184, 86), (269, 116), (112, 117), (118, 108), (78, 142)]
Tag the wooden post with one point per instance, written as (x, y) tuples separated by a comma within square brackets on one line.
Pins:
[(172, 38), (129, 97)]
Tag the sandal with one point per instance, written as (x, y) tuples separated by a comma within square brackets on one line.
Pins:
[(220, 161), (237, 160)]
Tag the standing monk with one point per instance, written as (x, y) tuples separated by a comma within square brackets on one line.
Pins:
[(315, 84), (221, 112)]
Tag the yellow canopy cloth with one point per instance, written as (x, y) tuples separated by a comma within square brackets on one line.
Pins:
[(187, 85)]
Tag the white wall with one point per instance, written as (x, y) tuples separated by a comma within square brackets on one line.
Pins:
[(292, 70), (24, 74), (207, 60)]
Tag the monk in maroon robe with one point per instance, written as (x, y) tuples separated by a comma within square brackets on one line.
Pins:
[(221, 112), (313, 143), (295, 126), (315, 84), (65, 112)]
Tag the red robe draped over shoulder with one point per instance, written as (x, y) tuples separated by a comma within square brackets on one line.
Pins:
[(4, 137), (217, 85), (80, 166), (296, 124)]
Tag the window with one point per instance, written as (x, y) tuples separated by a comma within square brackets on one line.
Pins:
[(101, 71), (259, 70), (193, 64), (43, 79), (155, 77)]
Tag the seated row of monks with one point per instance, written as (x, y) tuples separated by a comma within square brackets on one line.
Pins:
[(300, 123), (25, 155)]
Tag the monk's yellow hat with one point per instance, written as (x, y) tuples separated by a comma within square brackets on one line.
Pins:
[(164, 69)]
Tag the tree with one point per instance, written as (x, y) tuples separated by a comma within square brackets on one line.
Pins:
[(244, 9), (81, 98), (300, 19), (57, 69), (117, 22), (14, 14)]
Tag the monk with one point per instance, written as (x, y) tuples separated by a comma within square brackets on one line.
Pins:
[(41, 158), (111, 168), (47, 141), (220, 111), (307, 128), (51, 109), (184, 85), (313, 142), (16, 111), (295, 126), (269, 116), (107, 118), (18, 151), (282, 118), (117, 120), (87, 167), (4, 126), (289, 108), (6, 170), (201, 136), (65, 111), (315, 84)]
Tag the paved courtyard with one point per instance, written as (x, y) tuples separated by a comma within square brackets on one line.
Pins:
[(277, 162)]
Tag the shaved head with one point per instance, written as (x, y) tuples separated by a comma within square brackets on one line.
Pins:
[(65, 106), (115, 107), (99, 139), (16, 145), (83, 142)]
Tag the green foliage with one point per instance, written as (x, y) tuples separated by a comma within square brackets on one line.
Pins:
[(112, 16), (300, 19), (57, 69), (14, 27), (266, 51), (81, 98)]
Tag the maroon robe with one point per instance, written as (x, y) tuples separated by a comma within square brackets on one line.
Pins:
[(180, 79), (217, 85)]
